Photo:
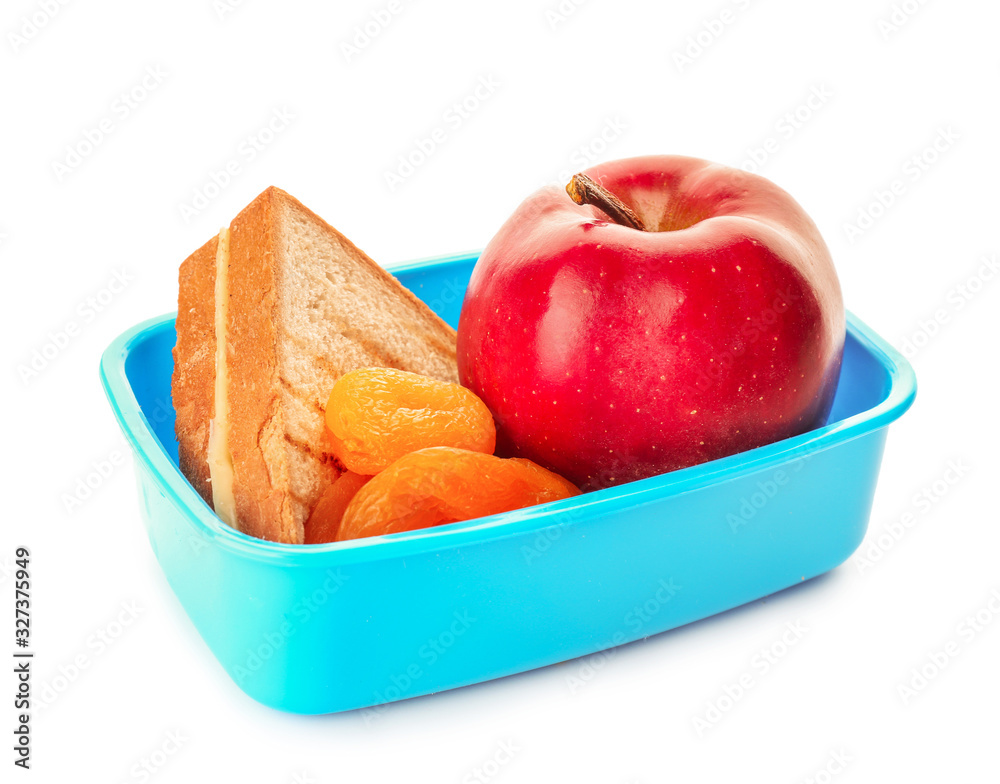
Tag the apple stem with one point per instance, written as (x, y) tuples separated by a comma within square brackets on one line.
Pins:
[(584, 190)]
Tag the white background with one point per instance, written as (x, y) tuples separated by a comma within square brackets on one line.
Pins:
[(565, 75)]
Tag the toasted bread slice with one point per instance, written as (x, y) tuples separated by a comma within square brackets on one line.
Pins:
[(305, 306)]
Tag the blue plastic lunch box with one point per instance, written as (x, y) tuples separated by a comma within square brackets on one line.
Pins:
[(334, 627)]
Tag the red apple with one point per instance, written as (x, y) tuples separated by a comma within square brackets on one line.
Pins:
[(672, 311)]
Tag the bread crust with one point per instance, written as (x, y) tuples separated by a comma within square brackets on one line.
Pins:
[(193, 380), (256, 434)]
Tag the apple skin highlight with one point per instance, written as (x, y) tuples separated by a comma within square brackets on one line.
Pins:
[(608, 353)]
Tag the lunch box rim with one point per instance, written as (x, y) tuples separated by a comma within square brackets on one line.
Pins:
[(606, 502)]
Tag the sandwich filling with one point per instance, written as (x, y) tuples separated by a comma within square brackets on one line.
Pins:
[(220, 460)]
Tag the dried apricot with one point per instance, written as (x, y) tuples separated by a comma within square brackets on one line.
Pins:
[(325, 518), (377, 415), (444, 485)]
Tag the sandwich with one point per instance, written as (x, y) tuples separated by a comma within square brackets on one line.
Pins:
[(271, 313)]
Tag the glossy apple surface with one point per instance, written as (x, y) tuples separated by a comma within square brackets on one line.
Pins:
[(609, 353)]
